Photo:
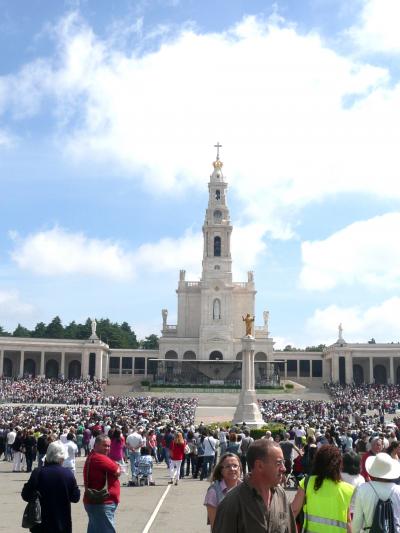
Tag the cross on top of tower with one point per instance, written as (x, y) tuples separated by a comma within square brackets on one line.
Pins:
[(217, 146)]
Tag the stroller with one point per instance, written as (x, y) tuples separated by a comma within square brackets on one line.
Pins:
[(143, 473)]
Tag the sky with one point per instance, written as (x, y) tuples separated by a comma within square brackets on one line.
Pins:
[(109, 113)]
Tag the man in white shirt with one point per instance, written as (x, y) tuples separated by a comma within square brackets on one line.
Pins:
[(72, 450), (134, 442), (210, 447), (384, 471), (10, 441)]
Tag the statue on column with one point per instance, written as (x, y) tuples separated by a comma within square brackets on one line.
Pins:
[(164, 313), (340, 332), (250, 276), (94, 326), (182, 275), (248, 320)]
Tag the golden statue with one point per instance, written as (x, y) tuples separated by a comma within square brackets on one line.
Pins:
[(248, 319)]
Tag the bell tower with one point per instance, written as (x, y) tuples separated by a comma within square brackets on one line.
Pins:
[(217, 229)]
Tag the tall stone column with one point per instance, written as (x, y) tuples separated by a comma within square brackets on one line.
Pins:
[(335, 367), (21, 364), (42, 364), (298, 368), (247, 409), (371, 369), (1, 362), (391, 371), (85, 364), (285, 363), (349, 368), (99, 364), (311, 368), (62, 369)]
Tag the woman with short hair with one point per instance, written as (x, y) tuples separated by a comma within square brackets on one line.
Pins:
[(57, 487), (326, 499)]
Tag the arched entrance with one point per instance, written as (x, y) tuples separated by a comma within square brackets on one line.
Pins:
[(239, 356), (380, 376), (216, 356), (189, 355), (358, 374), (7, 368), (74, 369), (51, 369), (171, 354), (260, 356), (29, 368)]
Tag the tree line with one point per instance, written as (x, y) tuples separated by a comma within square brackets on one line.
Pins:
[(114, 334)]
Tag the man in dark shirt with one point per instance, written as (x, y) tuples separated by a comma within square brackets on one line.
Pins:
[(287, 449), (258, 505)]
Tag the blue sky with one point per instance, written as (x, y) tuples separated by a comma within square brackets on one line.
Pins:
[(109, 111)]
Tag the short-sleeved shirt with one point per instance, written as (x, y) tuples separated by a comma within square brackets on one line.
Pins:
[(99, 466), (243, 510), (211, 497)]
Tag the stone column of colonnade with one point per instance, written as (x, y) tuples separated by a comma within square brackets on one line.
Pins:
[(85, 364), (247, 409), (21, 364), (371, 369), (99, 364), (349, 368), (62, 368), (42, 365), (1, 362)]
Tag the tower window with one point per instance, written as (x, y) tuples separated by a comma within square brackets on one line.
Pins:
[(218, 194), (216, 309), (217, 246), (217, 217)]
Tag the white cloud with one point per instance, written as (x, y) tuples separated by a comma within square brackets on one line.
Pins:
[(58, 252), (359, 325), (365, 253), (378, 27), (273, 97), (11, 305)]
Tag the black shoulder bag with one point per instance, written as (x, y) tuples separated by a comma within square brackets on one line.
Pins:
[(95, 495), (33, 512)]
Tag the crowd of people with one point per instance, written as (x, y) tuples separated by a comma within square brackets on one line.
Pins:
[(44, 390), (344, 449)]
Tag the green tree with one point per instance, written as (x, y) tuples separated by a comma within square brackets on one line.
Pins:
[(150, 342), (319, 348), (71, 331), (40, 330), (20, 331), (4, 333), (55, 329)]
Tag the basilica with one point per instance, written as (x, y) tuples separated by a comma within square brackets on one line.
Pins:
[(205, 344)]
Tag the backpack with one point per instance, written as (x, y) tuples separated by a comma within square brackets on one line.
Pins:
[(383, 521)]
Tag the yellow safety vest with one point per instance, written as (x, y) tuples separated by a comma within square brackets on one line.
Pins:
[(326, 509)]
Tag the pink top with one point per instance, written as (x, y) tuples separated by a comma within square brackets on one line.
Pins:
[(152, 440), (117, 449)]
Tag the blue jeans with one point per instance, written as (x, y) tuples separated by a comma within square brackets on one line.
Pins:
[(207, 466), (133, 458), (101, 517)]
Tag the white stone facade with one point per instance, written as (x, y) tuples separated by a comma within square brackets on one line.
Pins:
[(209, 319)]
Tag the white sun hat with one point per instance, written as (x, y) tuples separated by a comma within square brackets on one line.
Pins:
[(382, 466)]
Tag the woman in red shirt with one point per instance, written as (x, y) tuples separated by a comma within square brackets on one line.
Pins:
[(177, 454)]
